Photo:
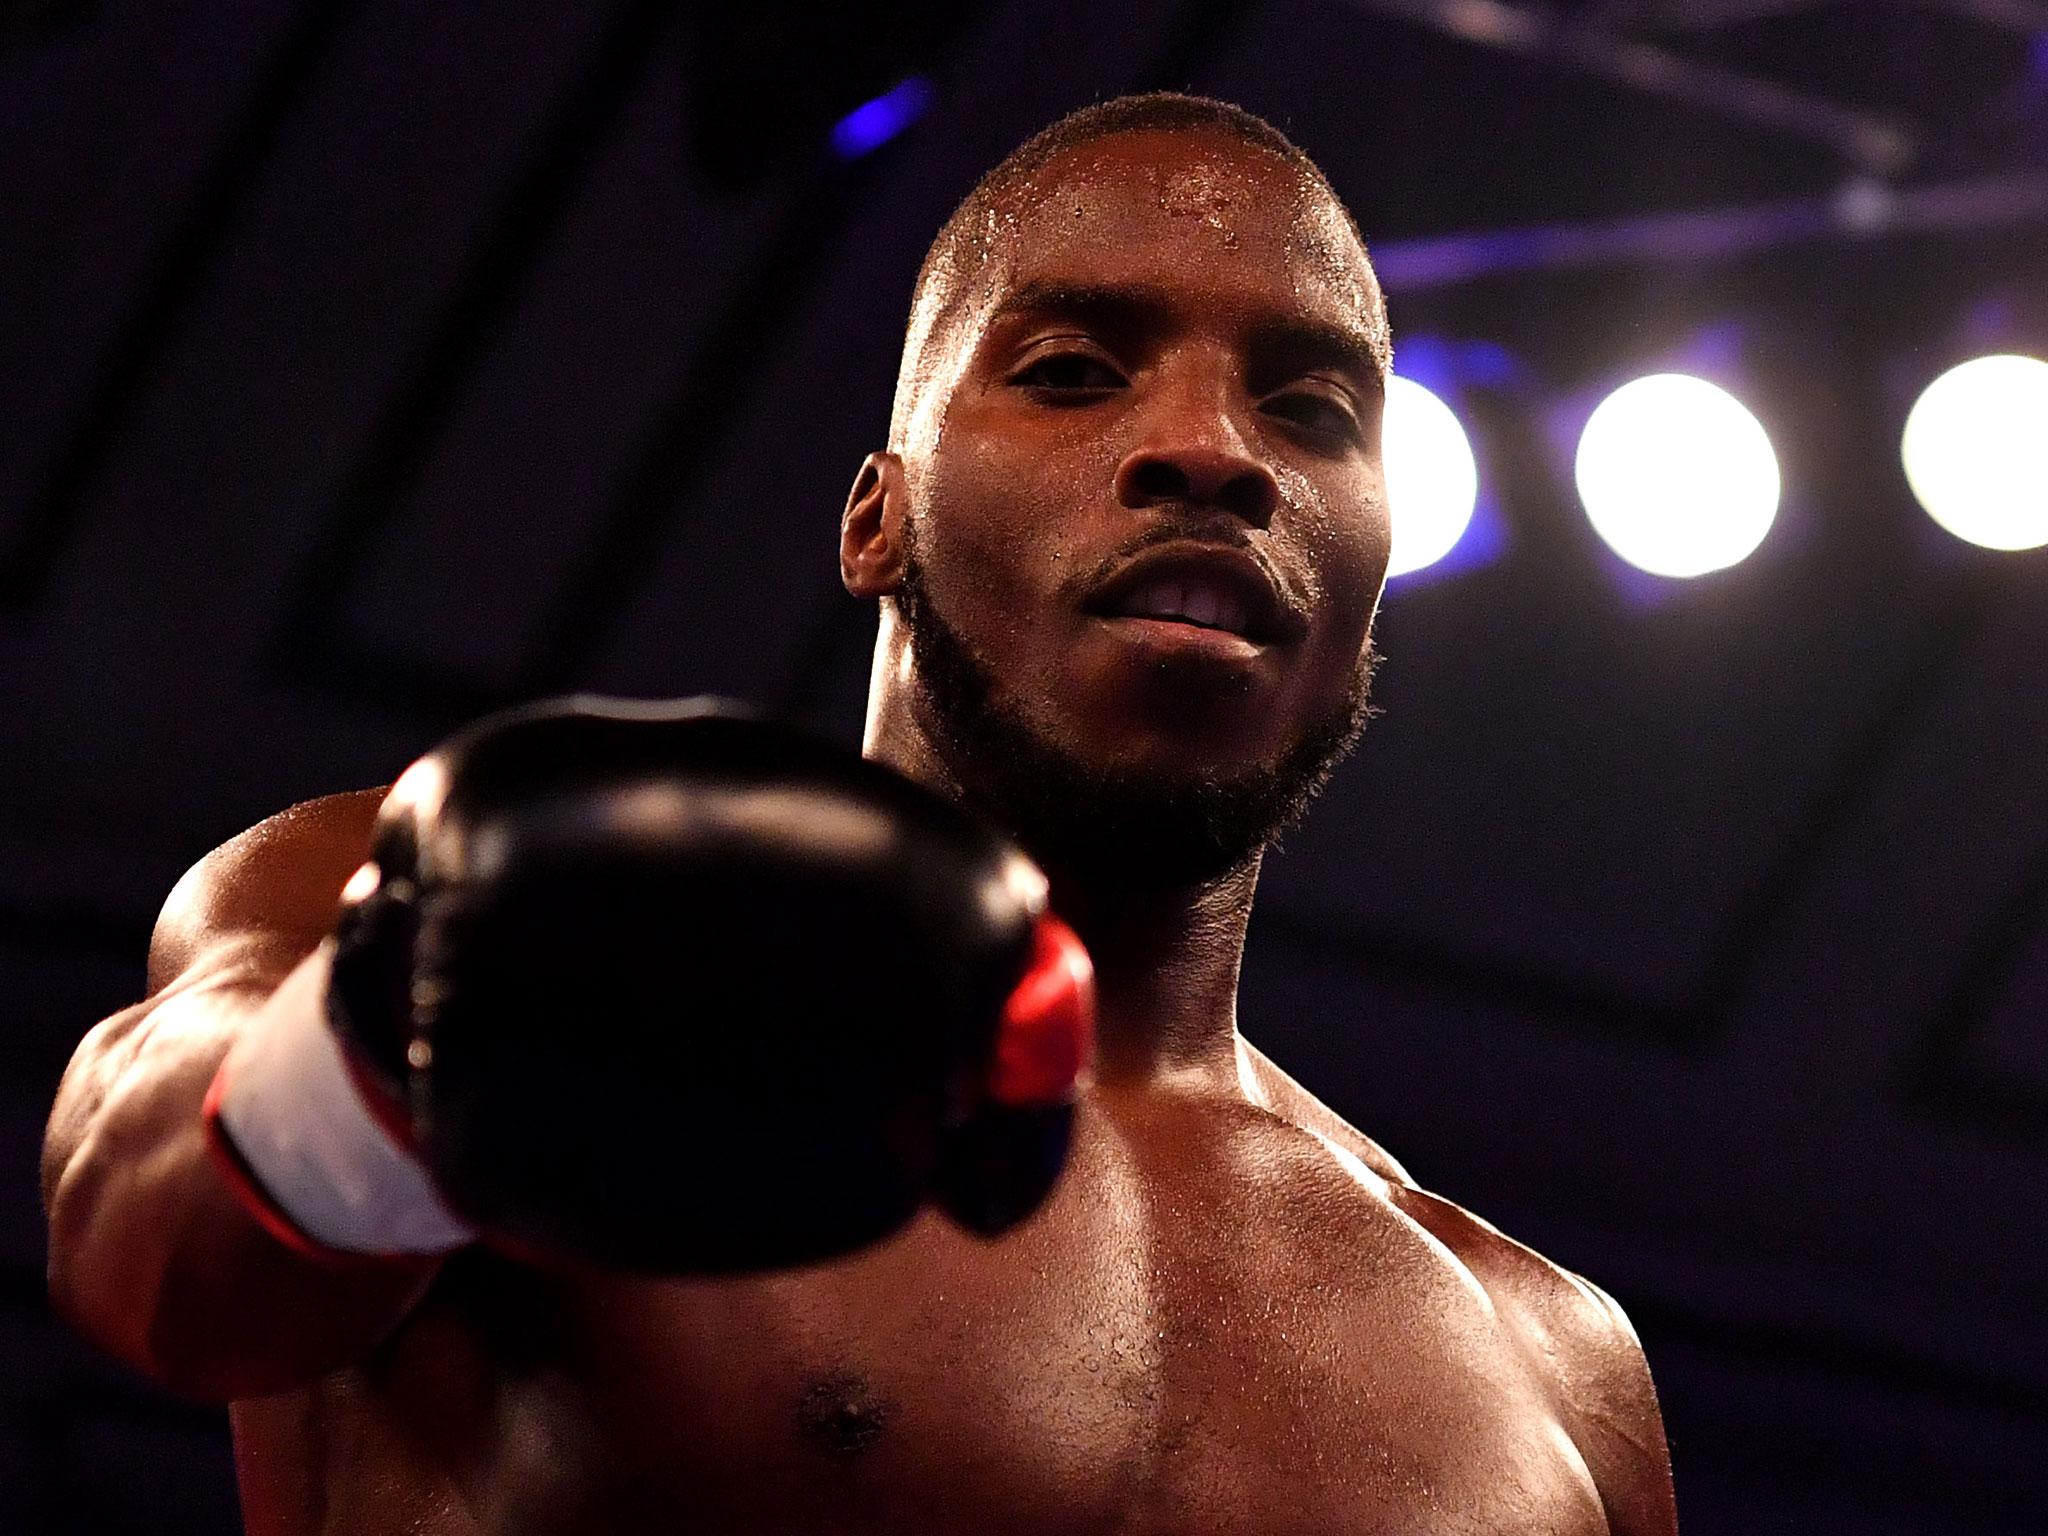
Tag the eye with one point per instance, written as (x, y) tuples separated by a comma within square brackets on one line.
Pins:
[(1316, 411), (1068, 372)]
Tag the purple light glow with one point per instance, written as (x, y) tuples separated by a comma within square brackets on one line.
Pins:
[(874, 123)]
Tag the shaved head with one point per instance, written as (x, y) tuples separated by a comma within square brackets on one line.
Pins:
[(966, 257)]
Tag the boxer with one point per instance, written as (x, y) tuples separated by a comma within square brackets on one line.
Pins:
[(1126, 542)]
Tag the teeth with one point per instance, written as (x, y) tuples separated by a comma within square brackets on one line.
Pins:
[(1160, 600), (1212, 607)]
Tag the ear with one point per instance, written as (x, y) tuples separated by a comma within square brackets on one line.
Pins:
[(871, 529)]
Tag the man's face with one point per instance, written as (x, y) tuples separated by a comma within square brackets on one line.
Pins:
[(1166, 359)]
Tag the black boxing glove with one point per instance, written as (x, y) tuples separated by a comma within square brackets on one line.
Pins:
[(665, 987)]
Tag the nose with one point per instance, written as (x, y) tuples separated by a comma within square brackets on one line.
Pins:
[(1194, 453)]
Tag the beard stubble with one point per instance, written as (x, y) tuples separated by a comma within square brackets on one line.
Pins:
[(1115, 829)]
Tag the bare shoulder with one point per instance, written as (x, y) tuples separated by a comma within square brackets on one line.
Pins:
[(279, 881), (1583, 1349), (1577, 1338)]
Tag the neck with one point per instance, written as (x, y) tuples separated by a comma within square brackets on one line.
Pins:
[(1166, 969), (1166, 959)]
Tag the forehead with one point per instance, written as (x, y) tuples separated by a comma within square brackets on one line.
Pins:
[(1223, 223)]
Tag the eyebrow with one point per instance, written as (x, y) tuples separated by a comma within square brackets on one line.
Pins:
[(1135, 306)]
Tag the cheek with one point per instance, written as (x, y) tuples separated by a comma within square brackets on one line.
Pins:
[(1371, 531), (1017, 496), (1345, 532), (994, 535)]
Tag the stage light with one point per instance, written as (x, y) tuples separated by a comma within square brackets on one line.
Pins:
[(1677, 476), (1432, 480), (874, 123), (1974, 451)]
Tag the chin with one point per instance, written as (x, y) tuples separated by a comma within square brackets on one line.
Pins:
[(1173, 744)]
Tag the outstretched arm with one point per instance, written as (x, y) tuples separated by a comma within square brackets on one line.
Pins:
[(151, 1255)]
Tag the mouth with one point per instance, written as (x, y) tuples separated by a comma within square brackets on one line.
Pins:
[(1214, 597), (1182, 636)]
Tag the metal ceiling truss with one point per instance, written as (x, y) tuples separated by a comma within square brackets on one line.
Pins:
[(1865, 208), (1867, 141), (1876, 149)]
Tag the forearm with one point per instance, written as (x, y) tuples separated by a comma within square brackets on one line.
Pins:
[(151, 1254)]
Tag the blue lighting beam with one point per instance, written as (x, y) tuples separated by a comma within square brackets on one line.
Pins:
[(874, 123)]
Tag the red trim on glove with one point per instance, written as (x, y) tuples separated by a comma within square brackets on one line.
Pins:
[(390, 1114), (1047, 1035)]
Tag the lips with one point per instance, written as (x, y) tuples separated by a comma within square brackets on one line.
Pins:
[(1212, 586)]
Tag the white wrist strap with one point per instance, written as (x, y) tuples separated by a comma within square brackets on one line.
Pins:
[(292, 1112)]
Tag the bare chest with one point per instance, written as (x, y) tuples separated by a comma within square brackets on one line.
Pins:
[(1217, 1330), (1194, 1346)]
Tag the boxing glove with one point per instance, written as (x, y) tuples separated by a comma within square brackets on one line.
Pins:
[(666, 987)]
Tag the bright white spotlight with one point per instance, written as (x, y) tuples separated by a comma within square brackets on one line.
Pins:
[(1432, 481), (1677, 476), (1974, 451)]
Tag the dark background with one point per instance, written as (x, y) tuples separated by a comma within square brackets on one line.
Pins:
[(366, 364)]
